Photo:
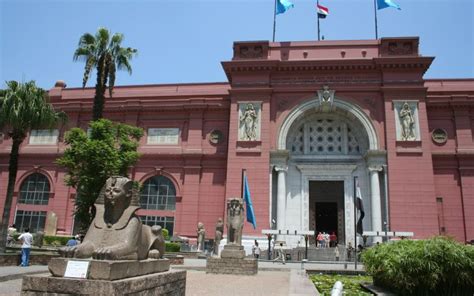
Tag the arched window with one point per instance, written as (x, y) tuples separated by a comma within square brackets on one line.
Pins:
[(158, 193), (35, 190)]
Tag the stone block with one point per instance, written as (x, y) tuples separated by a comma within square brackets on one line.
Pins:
[(112, 270), (233, 251), (246, 266), (164, 283)]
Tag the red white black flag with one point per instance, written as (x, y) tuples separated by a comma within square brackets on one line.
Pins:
[(323, 12)]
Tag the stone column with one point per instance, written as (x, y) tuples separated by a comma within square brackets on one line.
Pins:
[(375, 200), (281, 198)]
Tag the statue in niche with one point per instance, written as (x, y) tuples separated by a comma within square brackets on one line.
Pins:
[(201, 235), (116, 233), (407, 123), (218, 236), (235, 220), (249, 121)]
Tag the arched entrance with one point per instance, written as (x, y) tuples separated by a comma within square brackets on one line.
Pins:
[(321, 154)]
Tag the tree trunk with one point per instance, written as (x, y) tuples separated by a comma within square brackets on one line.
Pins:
[(100, 88), (12, 170)]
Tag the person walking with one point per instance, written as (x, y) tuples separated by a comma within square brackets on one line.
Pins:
[(336, 253), (26, 238), (281, 254), (256, 250)]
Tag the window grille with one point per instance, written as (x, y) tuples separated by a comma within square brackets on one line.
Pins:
[(35, 190)]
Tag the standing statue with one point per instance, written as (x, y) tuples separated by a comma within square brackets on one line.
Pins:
[(235, 220), (201, 235), (116, 233), (407, 122), (218, 237), (249, 120)]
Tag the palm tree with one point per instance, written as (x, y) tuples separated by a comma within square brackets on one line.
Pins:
[(23, 107), (107, 55)]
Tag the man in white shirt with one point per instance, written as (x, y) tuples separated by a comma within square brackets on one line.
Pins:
[(26, 238)]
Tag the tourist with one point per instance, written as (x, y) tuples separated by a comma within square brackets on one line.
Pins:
[(320, 240), (281, 254), (11, 234), (72, 242), (333, 239), (350, 251), (326, 239), (336, 253), (256, 250), (26, 238)]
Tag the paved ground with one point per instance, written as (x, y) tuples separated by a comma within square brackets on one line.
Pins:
[(272, 279)]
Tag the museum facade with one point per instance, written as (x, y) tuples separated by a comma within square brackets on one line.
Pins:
[(313, 123)]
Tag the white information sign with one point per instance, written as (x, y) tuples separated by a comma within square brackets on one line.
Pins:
[(77, 269)]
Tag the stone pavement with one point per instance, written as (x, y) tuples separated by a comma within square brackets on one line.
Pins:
[(272, 279)]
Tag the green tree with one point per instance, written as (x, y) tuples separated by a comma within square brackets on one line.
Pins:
[(107, 55), (23, 107), (107, 149)]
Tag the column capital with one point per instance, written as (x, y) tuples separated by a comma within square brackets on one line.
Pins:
[(281, 168), (279, 157), (375, 168)]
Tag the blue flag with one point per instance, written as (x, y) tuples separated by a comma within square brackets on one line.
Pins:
[(248, 204), (283, 5), (381, 4)]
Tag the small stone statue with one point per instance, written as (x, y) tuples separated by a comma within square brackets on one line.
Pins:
[(116, 233), (218, 237), (201, 235), (249, 120), (407, 123), (235, 220)]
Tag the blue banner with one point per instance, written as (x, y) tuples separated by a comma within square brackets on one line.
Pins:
[(248, 204), (283, 5), (381, 4)]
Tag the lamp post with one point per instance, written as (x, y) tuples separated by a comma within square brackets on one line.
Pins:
[(269, 254)]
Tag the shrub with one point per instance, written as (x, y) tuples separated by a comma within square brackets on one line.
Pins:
[(165, 233), (172, 247), (438, 266), (56, 240)]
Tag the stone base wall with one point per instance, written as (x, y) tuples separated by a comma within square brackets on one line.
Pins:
[(35, 259), (170, 283), (246, 266)]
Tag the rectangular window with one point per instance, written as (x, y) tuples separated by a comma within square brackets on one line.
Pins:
[(44, 137), (164, 222), (163, 136), (35, 220), (440, 208)]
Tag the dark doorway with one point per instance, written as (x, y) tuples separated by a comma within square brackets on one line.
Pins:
[(326, 217), (326, 208)]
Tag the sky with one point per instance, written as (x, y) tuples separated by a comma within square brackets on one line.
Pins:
[(184, 41)]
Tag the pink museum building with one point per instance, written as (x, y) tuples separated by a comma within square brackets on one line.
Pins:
[(307, 120)]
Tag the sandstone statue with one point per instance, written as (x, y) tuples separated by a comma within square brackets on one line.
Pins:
[(407, 123), (235, 220), (116, 233), (201, 235), (218, 237)]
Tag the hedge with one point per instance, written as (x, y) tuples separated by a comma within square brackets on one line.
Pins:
[(55, 240), (172, 247), (437, 266)]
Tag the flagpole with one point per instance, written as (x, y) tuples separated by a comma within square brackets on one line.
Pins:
[(244, 172), (375, 14), (274, 19), (317, 16), (355, 223)]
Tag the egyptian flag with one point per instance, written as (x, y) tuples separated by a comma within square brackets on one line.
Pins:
[(360, 208), (323, 12)]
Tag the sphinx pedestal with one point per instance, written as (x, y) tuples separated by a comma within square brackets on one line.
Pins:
[(232, 261), (122, 277)]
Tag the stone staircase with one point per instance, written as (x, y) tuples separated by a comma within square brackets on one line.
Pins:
[(314, 254)]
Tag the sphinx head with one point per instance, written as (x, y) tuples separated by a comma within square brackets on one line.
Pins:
[(118, 191)]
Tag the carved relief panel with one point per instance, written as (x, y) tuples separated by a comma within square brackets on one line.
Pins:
[(406, 120), (249, 121)]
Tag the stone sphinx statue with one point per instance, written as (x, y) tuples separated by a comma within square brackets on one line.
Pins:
[(235, 221), (116, 233)]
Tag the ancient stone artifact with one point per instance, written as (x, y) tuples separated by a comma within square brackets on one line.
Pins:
[(249, 121), (116, 233), (218, 236), (235, 220), (201, 235)]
